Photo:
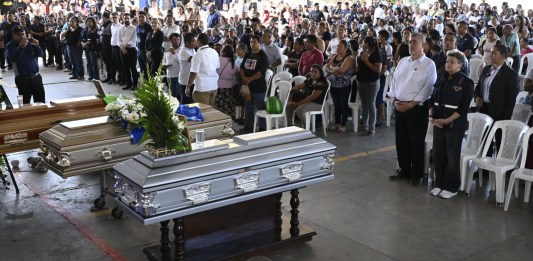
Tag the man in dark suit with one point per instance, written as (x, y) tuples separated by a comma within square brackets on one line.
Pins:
[(495, 93)]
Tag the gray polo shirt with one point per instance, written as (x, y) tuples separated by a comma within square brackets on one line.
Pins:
[(273, 52)]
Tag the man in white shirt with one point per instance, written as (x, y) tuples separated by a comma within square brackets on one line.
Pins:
[(204, 65), (185, 55), (169, 28), (115, 51), (127, 43), (412, 85), (173, 66)]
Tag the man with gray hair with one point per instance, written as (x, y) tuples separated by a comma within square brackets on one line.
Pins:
[(271, 49), (412, 85)]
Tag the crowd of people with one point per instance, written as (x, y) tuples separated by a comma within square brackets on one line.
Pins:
[(218, 53)]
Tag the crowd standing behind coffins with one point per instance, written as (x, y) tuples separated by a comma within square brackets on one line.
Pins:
[(119, 43)]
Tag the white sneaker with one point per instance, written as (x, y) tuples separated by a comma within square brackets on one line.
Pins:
[(447, 194), (435, 191)]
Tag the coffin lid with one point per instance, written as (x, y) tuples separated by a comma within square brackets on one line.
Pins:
[(220, 157), (83, 131)]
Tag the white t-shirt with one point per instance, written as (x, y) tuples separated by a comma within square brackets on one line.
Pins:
[(167, 31), (205, 64), (185, 65)]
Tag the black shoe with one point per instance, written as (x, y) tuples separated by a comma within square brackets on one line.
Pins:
[(397, 177), (127, 87), (111, 82), (244, 131), (60, 68), (105, 80), (415, 182), (45, 65), (122, 84), (73, 78)]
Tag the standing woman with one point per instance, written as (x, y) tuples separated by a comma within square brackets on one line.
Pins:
[(89, 42), (448, 108), (486, 46), (72, 36), (339, 69), (341, 35), (154, 46), (368, 74), (227, 72)]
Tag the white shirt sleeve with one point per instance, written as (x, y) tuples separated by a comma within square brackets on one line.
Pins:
[(195, 63)]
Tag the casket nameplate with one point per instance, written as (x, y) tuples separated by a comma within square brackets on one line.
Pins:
[(328, 165), (292, 171), (198, 193), (16, 138), (247, 181)]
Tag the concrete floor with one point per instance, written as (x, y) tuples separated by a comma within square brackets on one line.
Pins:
[(360, 215)]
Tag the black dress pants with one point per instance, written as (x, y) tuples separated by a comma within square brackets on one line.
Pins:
[(411, 128), (107, 57), (447, 157), (129, 59), (30, 86), (117, 64)]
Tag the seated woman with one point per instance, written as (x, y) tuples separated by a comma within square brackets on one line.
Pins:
[(307, 96)]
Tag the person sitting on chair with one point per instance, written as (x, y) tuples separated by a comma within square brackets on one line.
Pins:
[(307, 96)]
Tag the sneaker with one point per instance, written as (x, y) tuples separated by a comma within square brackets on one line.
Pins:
[(67, 70), (435, 191), (81, 78), (370, 132), (447, 194), (342, 129)]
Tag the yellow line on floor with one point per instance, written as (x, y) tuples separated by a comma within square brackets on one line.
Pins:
[(364, 154)]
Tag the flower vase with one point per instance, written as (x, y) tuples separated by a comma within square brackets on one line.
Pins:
[(136, 134), (123, 124)]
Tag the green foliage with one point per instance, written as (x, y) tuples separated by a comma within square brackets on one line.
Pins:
[(162, 124)]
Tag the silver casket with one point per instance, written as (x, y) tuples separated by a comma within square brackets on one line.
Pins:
[(95, 144), (222, 173)]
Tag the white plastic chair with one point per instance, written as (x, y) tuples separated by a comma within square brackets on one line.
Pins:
[(529, 58), (281, 76), (387, 100), (310, 116), (268, 77), (521, 112), (284, 90), (428, 146), (478, 127), (520, 98), (509, 61), (280, 68), (505, 160), (520, 173), (297, 80), (355, 107), (476, 66)]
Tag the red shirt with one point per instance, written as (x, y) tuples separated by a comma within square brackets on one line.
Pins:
[(309, 58)]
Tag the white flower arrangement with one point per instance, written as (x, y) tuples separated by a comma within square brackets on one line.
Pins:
[(127, 109)]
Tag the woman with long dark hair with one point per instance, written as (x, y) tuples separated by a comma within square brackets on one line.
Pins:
[(339, 69), (368, 74), (227, 78), (154, 46), (89, 42), (310, 94)]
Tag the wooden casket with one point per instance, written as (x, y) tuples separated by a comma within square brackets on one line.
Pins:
[(219, 185), (20, 128), (90, 145)]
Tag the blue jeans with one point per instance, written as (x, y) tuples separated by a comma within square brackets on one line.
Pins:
[(175, 89), (257, 102), (67, 63), (141, 58), (75, 55), (92, 65)]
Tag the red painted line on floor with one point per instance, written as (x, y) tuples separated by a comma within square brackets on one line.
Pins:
[(86, 231)]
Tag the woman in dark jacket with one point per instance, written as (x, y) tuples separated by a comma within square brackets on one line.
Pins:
[(154, 46), (448, 109), (89, 42)]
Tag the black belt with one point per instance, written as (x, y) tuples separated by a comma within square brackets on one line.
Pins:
[(31, 76)]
